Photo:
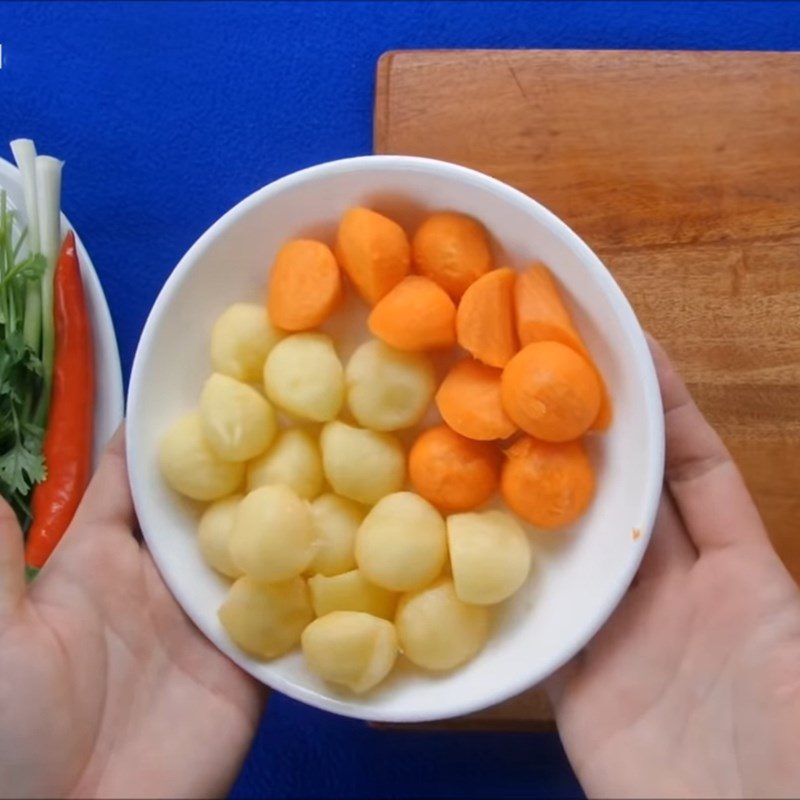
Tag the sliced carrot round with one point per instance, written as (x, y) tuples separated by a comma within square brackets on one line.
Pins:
[(551, 392), (485, 318), (374, 251), (452, 472), (469, 401), (417, 314), (549, 485), (453, 250)]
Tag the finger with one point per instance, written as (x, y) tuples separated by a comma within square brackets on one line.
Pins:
[(709, 491), (107, 501), (670, 547), (12, 560)]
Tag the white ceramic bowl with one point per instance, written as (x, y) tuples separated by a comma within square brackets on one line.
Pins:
[(581, 574), (108, 375)]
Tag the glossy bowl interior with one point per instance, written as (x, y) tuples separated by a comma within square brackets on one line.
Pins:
[(580, 574)]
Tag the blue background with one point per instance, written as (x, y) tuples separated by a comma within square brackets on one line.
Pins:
[(168, 114)]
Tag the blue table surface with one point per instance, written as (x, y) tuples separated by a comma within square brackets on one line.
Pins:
[(168, 114)]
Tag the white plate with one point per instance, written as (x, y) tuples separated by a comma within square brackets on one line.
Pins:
[(581, 574), (109, 400)]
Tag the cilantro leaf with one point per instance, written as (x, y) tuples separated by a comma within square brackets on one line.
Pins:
[(21, 467)]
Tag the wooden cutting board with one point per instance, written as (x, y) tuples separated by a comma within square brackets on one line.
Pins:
[(682, 171)]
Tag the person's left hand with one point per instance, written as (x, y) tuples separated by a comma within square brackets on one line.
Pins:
[(106, 688)]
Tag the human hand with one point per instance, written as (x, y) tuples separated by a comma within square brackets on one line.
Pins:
[(693, 686), (106, 688)]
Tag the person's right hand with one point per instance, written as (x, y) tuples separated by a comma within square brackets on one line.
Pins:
[(693, 687), (106, 688)]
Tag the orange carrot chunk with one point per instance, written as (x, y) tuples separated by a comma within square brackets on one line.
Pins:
[(417, 314), (453, 250), (453, 473), (469, 401), (305, 285), (374, 251), (550, 391), (485, 318), (540, 313), (602, 422), (542, 316), (549, 485)]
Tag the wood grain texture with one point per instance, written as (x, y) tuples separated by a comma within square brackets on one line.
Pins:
[(682, 171)]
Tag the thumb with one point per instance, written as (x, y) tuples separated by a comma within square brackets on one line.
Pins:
[(707, 487), (557, 684), (12, 561)]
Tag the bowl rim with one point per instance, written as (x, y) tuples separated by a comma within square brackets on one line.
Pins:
[(520, 680)]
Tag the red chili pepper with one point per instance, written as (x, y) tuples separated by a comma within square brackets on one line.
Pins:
[(68, 439)]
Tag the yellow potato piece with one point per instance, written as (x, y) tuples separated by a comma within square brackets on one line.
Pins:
[(294, 460), (490, 556), (266, 620), (214, 534), (402, 543), (241, 338), (350, 648), (361, 464), (191, 467), (303, 375), (336, 520), (350, 591), (238, 422), (437, 631), (273, 538), (387, 389)]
